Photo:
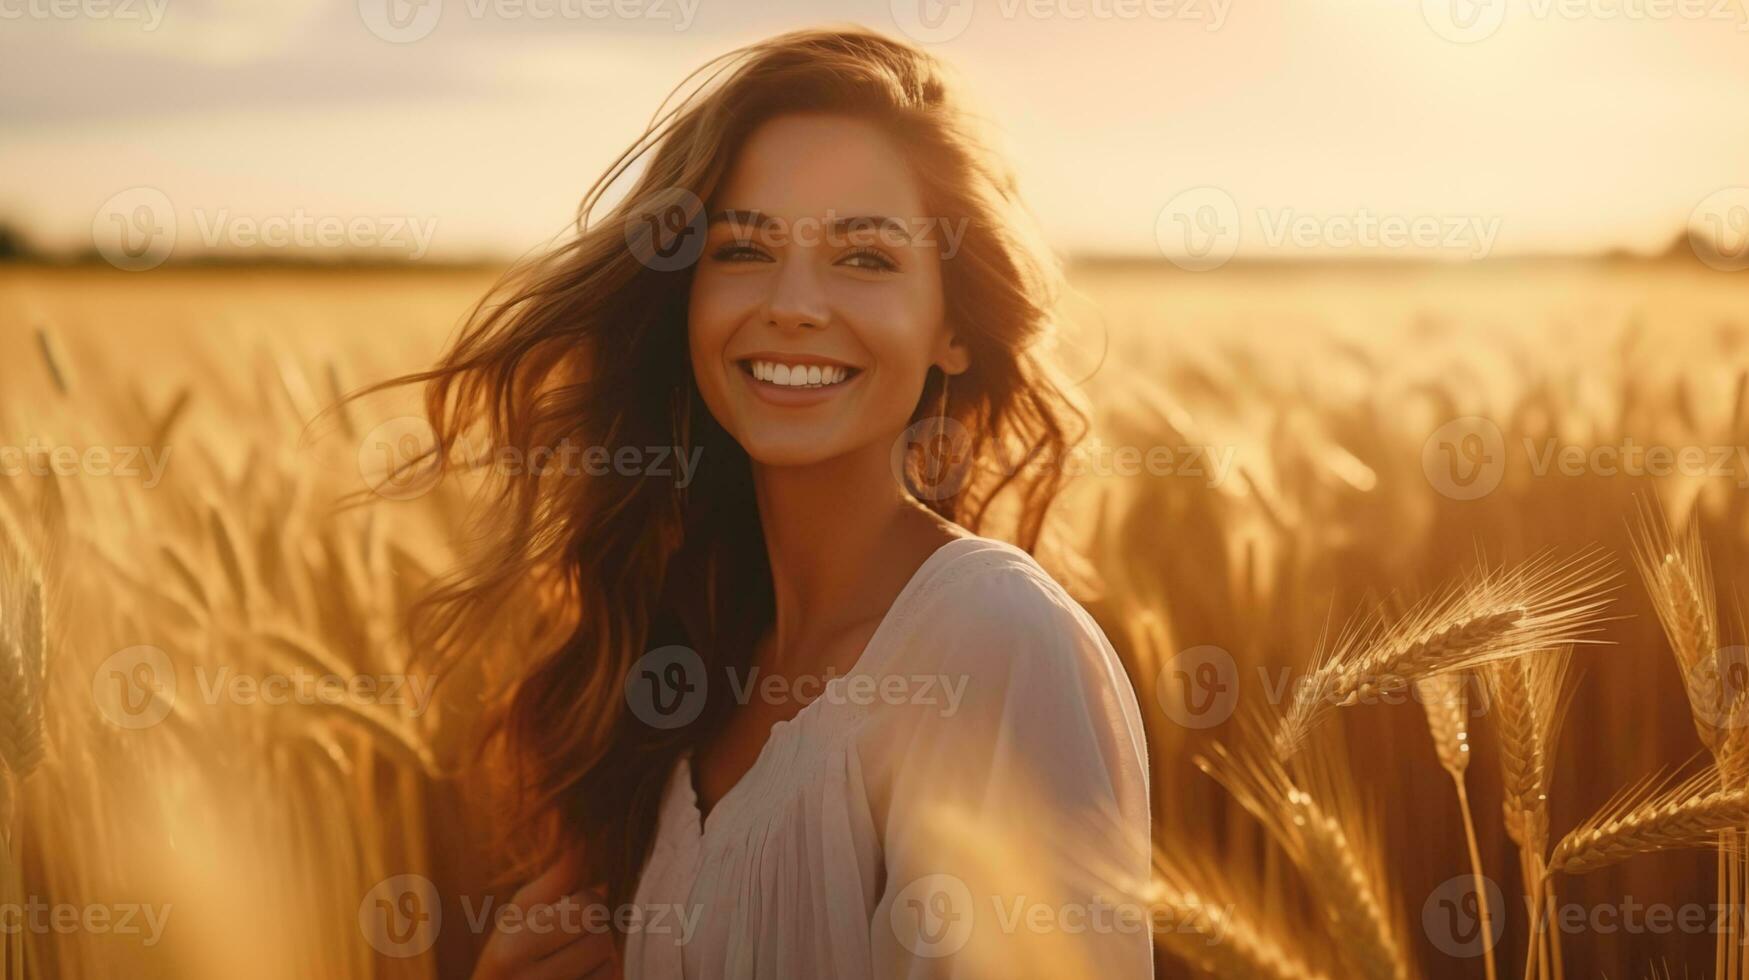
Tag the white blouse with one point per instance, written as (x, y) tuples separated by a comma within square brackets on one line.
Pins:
[(969, 800)]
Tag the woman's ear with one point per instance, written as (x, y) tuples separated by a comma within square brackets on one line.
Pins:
[(953, 358)]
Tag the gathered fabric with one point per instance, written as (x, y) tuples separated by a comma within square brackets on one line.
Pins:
[(969, 800)]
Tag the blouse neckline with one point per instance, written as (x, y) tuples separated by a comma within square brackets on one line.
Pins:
[(763, 777)]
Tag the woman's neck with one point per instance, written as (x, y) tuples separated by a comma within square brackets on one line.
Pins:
[(843, 537)]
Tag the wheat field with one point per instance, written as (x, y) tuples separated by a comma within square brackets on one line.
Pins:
[(1393, 562)]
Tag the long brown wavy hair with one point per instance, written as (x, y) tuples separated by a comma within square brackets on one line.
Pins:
[(586, 346)]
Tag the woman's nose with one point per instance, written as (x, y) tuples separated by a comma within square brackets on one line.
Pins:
[(798, 297)]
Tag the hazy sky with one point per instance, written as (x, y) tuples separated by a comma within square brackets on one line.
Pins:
[(1541, 125)]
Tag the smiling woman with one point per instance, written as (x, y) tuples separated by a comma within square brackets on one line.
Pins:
[(841, 272)]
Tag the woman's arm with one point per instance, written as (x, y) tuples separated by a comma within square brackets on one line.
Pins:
[(1016, 832)]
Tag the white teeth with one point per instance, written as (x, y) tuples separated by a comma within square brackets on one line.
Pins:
[(798, 375)]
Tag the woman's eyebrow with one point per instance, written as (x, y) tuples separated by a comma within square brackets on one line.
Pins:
[(873, 222), (756, 220), (743, 219)]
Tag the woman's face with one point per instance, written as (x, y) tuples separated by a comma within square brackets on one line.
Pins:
[(816, 307)]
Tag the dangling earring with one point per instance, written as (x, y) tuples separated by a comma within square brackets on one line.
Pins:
[(936, 465)]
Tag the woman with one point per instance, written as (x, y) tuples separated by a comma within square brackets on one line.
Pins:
[(786, 700)]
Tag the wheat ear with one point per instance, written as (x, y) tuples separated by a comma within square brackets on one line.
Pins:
[(1530, 697), (1444, 698), (1341, 871), (22, 665), (1500, 614), (1680, 583), (1212, 933), (1650, 817), (1678, 578)]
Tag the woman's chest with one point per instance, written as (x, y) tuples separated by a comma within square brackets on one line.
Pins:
[(792, 857), (762, 698)]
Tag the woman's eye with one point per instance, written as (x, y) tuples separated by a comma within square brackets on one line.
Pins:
[(869, 258), (737, 252)]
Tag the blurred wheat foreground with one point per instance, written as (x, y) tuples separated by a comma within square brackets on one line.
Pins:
[(1571, 634)]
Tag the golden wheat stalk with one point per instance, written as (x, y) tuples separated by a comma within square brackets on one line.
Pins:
[(1500, 614), (1340, 865), (48, 345), (1679, 580), (226, 542), (1530, 696), (1649, 818), (1445, 700), (22, 667), (1447, 706), (1211, 929)]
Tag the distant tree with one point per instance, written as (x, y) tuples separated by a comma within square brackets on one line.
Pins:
[(13, 247)]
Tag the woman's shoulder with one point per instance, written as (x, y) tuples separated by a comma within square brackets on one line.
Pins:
[(1025, 666), (1002, 610), (987, 575)]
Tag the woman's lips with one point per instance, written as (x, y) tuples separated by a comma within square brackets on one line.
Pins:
[(795, 383)]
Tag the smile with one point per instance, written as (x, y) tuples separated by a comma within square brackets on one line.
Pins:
[(795, 375)]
